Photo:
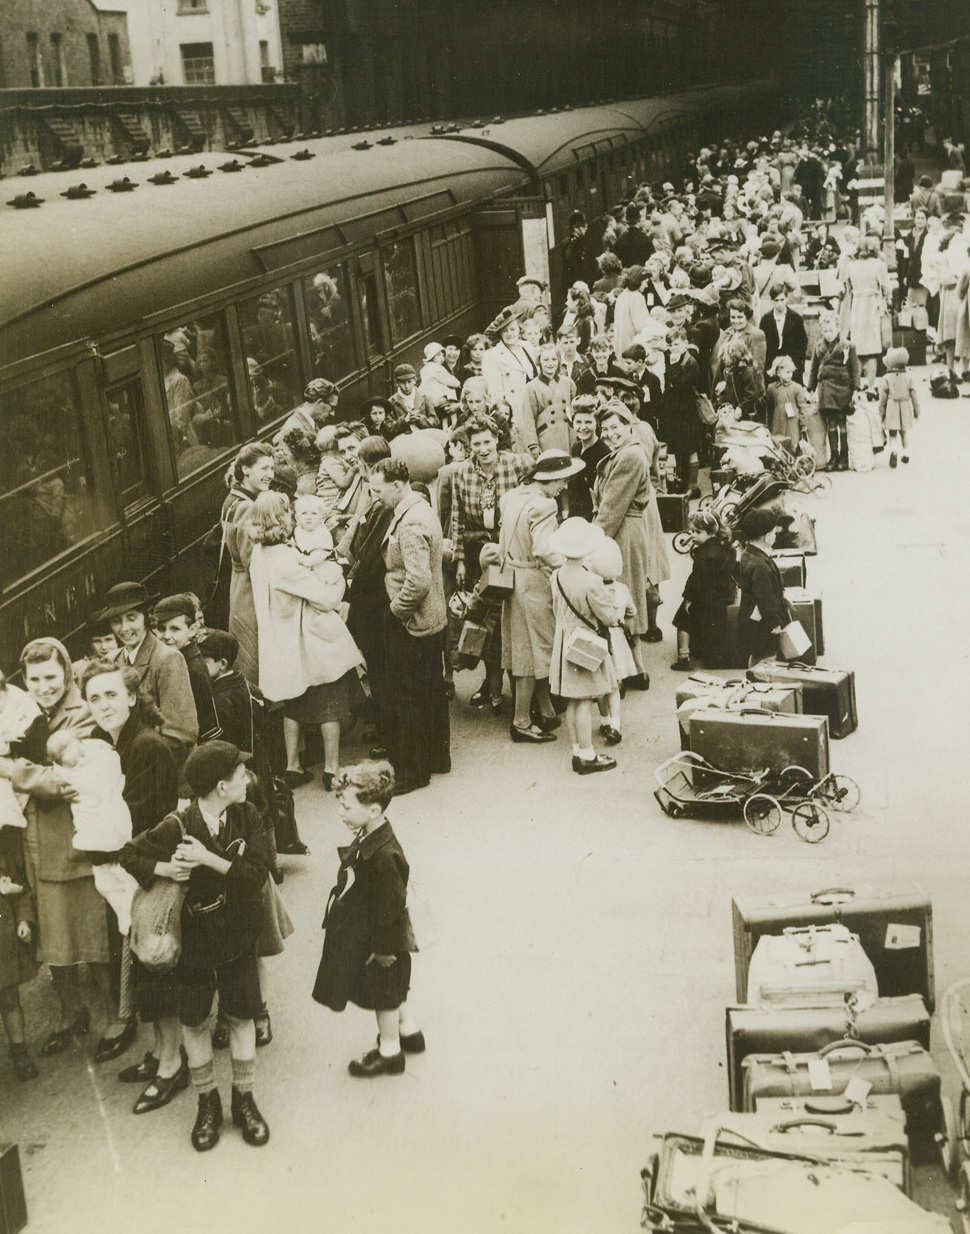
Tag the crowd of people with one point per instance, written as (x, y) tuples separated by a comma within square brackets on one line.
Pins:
[(495, 512)]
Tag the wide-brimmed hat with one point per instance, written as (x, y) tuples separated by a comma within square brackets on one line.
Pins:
[(377, 400), (507, 315), (125, 598), (431, 350), (555, 465), (575, 538), (452, 340), (678, 300), (700, 274)]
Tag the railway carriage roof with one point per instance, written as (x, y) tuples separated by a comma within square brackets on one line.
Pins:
[(85, 268)]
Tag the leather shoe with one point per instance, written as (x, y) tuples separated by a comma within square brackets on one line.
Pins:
[(246, 1115), (652, 636), (208, 1120), (413, 1043), (111, 1047), (59, 1040), (481, 696), (264, 1030), (295, 779), (639, 682), (374, 1063), (161, 1090), (296, 849), (531, 735), (587, 766), (612, 736), (140, 1073)]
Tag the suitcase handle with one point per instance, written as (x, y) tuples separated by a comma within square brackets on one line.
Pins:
[(831, 896), (844, 1044), (794, 1123)]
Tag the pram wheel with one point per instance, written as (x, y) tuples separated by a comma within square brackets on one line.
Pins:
[(820, 484), (705, 502), (683, 542), (804, 466), (963, 1203), (762, 814), (965, 1120), (674, 809), (810, 822), (839, 792), (729, 512), (947, 1141), (794, 775)]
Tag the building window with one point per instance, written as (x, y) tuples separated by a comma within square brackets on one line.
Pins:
[(94, 59), (114, 58), (193, 6), (57, 59), (198, 64), (33, 59)]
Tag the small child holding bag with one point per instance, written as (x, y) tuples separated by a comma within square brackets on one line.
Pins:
[(898, 404), (607, 562), (582, 668)]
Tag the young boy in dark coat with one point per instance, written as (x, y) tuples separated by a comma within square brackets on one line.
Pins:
[(366, 950), (175, 625), (763, 611), (217, 846)]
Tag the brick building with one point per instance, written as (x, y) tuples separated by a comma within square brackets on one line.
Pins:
[(59, 43)]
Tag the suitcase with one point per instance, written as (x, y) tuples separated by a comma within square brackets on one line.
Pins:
[(713, 1184), (791, 565), (914, 341), (895, 928), (903, 1067), (13, 1203), (746, 742), (811, 966), (803, 612), (674, 511), (858, 1139), (730, 695), (753, 1030), (807, 608), (827, 691)]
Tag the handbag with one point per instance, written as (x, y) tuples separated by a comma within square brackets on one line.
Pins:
[(500, 580), (583, 648), (886, 330), (156, 922), (705, 409), (793, 641)]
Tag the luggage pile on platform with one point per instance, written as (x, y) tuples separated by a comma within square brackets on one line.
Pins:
[(832, 1091)]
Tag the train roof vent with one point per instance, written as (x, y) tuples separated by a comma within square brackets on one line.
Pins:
[(78, 192), (164, 153), (26, 201), (140, 156), (122, 186), (116, 160), (162, 177), (198, 173), (387, 141), (264, 160), (29, 170), (232, 165), (302, 155), (363, 145), (87, 164)]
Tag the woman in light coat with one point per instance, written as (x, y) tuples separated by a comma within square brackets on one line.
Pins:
[(543, 422), (507, 367), (308, 658), (868, 284), (630, 313)]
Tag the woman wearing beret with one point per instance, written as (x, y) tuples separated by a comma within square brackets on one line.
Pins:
[(507, 367)]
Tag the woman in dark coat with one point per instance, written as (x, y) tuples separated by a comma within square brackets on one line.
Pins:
[(680, 427), (252, 473), (763, 612), (366, 950)]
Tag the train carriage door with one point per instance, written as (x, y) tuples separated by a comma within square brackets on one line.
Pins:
[(132, 450), (512, 239)]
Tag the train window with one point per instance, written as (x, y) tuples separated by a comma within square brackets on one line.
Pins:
[(401, 284), (127, 437), (370, 312), (328, 315), (269, 342), (452, 267), (563, 186), (201, 409), (47, 503)]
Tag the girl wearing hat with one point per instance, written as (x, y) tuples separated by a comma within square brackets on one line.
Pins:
[(529, 516), (438, 384), (898, 404), (507, 367), (581, 603)]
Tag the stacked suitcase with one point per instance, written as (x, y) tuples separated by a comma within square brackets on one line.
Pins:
[(832, 1089)]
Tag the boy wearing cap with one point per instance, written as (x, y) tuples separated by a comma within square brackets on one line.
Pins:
[(413, 409), (218, 848), (163, 672), (175, 624)]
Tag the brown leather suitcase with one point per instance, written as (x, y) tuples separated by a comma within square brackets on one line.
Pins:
[(828, 691), (745, 741)]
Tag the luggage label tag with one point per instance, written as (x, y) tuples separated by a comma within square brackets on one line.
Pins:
[(820, 1075), (857, 1091), (902, 937)]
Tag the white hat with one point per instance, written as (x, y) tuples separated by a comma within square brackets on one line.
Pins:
[(576, 538), (555, 465), (431, 350)]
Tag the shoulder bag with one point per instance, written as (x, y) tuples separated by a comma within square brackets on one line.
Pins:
[(584, 648), (156, 921)]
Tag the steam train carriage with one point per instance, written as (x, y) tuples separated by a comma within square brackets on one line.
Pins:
[(148, 330)]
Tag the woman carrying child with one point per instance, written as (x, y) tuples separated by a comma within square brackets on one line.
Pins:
[(701, 620), (582, 606), (368, 942)]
